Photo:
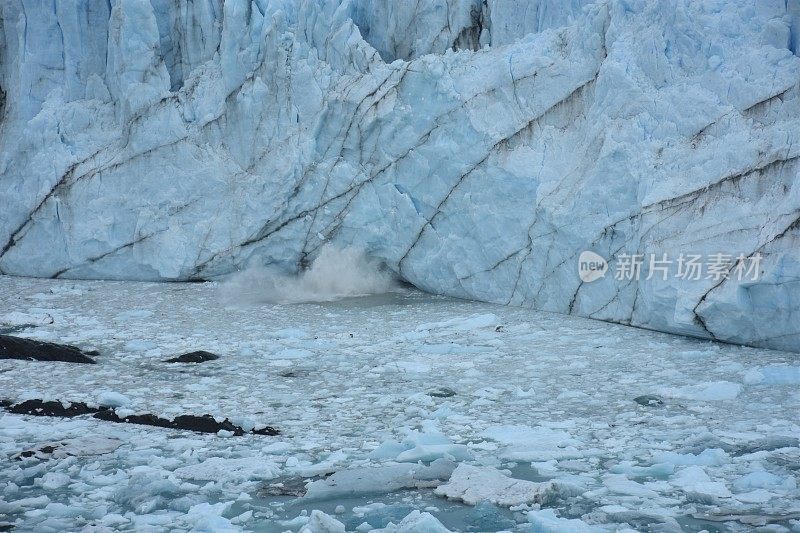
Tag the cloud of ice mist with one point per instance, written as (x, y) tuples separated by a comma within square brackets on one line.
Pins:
[(335, 273)]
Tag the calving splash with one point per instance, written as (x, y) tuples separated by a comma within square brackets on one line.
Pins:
[(335, 273)]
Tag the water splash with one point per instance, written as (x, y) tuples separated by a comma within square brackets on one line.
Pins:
[(336, 273)]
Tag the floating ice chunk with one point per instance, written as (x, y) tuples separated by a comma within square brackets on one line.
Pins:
[(571, 395), (241, 469), (473, 484), (316, 469), (90, 445), (388, 450), (658, 469), (36, 502), (136, 313), (522, 393), (764, 480), (68, 290), (411, 367), (525, 443), (472, 322), (291, 333), (546, 521), (113, 520), (755, 496), (320, 522), (17, 318), (451, 348), (112, 399), (426, 446), (146, 488), (431, 452), (754, 376), (708, 457), (361, 510), (293, 353), (620, 484), (773, 375), (711, 391), (695, 354), (244, 422), (694, 480), (379, 480), (78, 447), (206, 517), (415, 522), (297, 522), (242, 518), (139, 345), (60, 510), (54, 480)]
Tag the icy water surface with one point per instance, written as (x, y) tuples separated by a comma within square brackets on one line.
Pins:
[(378, 400)]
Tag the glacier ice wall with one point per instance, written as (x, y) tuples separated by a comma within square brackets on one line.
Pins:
[(476, 147)]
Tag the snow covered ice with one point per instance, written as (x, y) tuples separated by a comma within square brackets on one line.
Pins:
[(335, 262), (534, 428)]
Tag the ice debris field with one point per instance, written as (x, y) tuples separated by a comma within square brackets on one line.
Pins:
[(396, 412), (476, 147)]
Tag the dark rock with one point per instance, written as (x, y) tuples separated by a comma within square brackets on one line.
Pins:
[(201, 424), (144, 420), (49, 408), (199, 356), (44, 450), (649, 400), (442, 392), (266, 430), (29, 349), (205, 424)]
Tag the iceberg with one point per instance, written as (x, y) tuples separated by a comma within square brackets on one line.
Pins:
[(474, 148)]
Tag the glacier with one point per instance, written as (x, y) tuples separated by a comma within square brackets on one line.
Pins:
[(474, 147)]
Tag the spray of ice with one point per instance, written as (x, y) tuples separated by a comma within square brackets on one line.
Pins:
[(335, 273)]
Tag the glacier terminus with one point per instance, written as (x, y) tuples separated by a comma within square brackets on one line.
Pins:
[(476, 148)]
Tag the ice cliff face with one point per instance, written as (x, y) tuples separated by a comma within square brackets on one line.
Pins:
[(475, 146)]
